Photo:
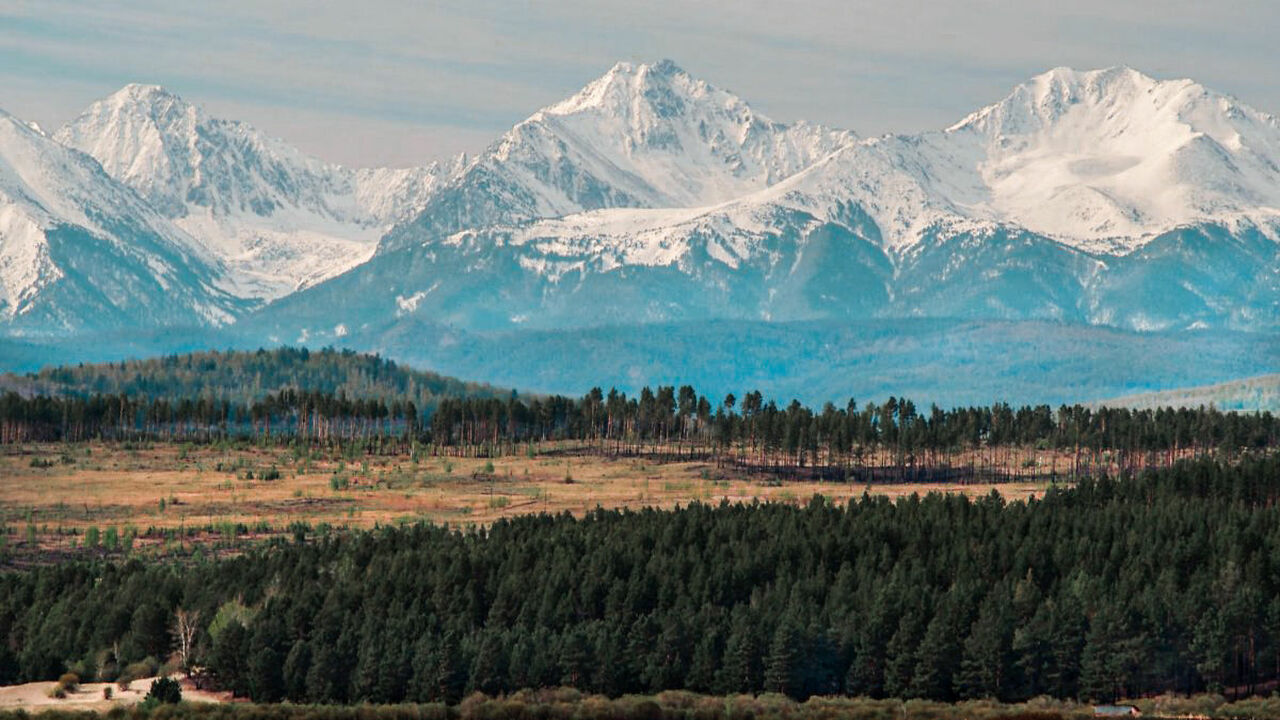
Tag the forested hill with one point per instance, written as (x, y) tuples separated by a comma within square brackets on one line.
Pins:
[(243, 377)]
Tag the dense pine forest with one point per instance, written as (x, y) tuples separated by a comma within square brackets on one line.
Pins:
[(1114, 587)]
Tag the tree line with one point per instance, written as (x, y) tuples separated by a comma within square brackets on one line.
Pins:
[(1165, 581), (893, 440), (289, 414), (757, 432)]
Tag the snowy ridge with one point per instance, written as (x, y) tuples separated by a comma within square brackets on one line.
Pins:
[(1110, 158), (640, 136), (67, 230), (1103, 161), (277, 218), (687, 143)]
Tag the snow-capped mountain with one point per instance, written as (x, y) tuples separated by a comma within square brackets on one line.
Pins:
[(79, 251), (1103, 161), (1112, 158), (278, 219), (640, 136), (1101, 197)]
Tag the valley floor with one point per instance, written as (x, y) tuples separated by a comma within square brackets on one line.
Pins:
[(68, 497)]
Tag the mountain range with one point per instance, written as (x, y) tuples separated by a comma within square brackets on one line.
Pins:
[(1101, 198)]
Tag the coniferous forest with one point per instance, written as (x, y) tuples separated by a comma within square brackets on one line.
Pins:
[(1147, 565), (1165, 581), (343, 399)]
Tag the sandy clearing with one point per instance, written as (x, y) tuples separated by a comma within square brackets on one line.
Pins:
[(35, 696)]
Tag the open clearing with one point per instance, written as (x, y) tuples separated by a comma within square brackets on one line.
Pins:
[(88, 696), (62, 492)]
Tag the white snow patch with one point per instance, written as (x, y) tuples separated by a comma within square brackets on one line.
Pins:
[(408, 305)]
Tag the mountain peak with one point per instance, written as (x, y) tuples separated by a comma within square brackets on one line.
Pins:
[(1046, 98), (137, 98), (666, 66), (639, 136), (662, 68), (142, 91), (1074, 76), (1112, 157), (657, 84)]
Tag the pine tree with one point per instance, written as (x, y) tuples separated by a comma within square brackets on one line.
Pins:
[(489, 667), (229, 653), (740, 672), (576, 659), (296, 665), (438, 673), (780, 668), (939, 650), (707, 653), (900, 655), (987, 660)]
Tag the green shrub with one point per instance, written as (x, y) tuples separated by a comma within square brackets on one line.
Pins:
[(164, 691)]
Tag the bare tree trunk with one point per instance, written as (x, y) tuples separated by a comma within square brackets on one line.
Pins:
[(185, 626)]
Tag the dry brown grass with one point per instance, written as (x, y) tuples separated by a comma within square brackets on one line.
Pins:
[(109, 486)]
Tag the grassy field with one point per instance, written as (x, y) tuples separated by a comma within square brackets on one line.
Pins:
[(61, 493)]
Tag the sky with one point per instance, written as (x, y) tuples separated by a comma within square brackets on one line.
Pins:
[(404, 82)]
